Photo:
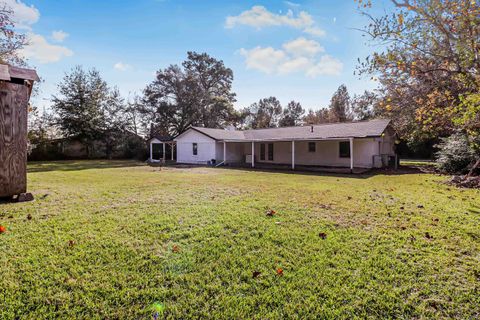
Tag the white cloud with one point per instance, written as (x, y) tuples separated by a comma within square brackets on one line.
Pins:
[(327, 65), (303, 47), (23, 15), (120, 66), (39, 49), (298, 56), (59, 35), (292, 4), (315, 31), (263, 59), (259, 17)]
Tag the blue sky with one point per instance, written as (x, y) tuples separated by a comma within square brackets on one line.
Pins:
[(300, 50)]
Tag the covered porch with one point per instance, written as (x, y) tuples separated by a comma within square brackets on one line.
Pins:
[(162, 149), (347, 155)]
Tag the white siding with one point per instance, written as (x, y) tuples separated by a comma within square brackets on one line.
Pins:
[(206, 148), (327, 153)]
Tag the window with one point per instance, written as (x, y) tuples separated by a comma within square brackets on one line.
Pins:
[(312, 147), (262, 151), (270, 152), (195, 149), (344, 149)]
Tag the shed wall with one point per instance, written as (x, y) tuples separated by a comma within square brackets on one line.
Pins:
[(13, 139)]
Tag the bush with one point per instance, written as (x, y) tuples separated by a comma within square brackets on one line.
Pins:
[(455, 154)]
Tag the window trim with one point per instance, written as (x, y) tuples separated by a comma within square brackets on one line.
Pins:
[(314, 144), (347, 154), (195, 149)]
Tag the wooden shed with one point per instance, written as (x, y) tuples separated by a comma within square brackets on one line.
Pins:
[(15, 89)]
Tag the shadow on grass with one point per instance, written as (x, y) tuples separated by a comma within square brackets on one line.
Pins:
[(74, 165), (358, 173)]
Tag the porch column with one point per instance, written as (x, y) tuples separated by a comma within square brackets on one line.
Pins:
[(253, 154), (293, 155), (224, 152), (151, 152), (171, 149), (351, 155), (163, 156)]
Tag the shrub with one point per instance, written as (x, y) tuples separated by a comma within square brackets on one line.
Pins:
[(455, 154)]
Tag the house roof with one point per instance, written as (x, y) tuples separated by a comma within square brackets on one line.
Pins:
[(358, 129), (161, 138)]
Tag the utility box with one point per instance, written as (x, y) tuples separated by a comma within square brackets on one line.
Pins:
[(15, 89)]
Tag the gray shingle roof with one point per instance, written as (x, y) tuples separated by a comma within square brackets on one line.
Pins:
[(359, 129)]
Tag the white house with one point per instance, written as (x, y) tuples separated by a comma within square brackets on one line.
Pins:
[(362, 144)]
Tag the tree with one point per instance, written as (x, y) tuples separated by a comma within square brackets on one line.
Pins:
[(114, 121), (265, 114), (340, 105), (292, 114), (365, 106), (87, 109), (317, 117), (428, 61), (11, 42), (198, 93)]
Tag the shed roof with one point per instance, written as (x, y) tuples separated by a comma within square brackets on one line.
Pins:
[(8, 72), (358, 129), (162, 138)]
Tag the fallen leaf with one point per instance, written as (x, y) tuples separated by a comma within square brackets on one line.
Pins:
[(29, 217), (175, 248), (428, 236), (322, 235), (420, 206), (256, 274), (3, 229), (279, 272), (349, 198), (271, 213), (71, 243)]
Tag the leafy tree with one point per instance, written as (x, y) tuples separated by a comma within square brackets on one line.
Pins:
[(265, 114), (317, 117), (114, 121), (365, 106), (10, 40), (427, 62), (340, 105), (87, 109), (292, 114), (198, 93)]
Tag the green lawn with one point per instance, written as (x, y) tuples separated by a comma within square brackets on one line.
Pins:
[(109, 239)]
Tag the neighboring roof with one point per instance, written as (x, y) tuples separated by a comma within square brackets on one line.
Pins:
[(8, 72), (161, 138), (358, 129)]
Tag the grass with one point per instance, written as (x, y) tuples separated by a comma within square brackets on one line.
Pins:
[(109, 239)]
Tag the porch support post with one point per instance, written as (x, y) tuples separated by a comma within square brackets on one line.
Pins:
[(293, 154), (351, 155), (253, 154), (171, 150), (224, 152), (151, 151), (163, 156)]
